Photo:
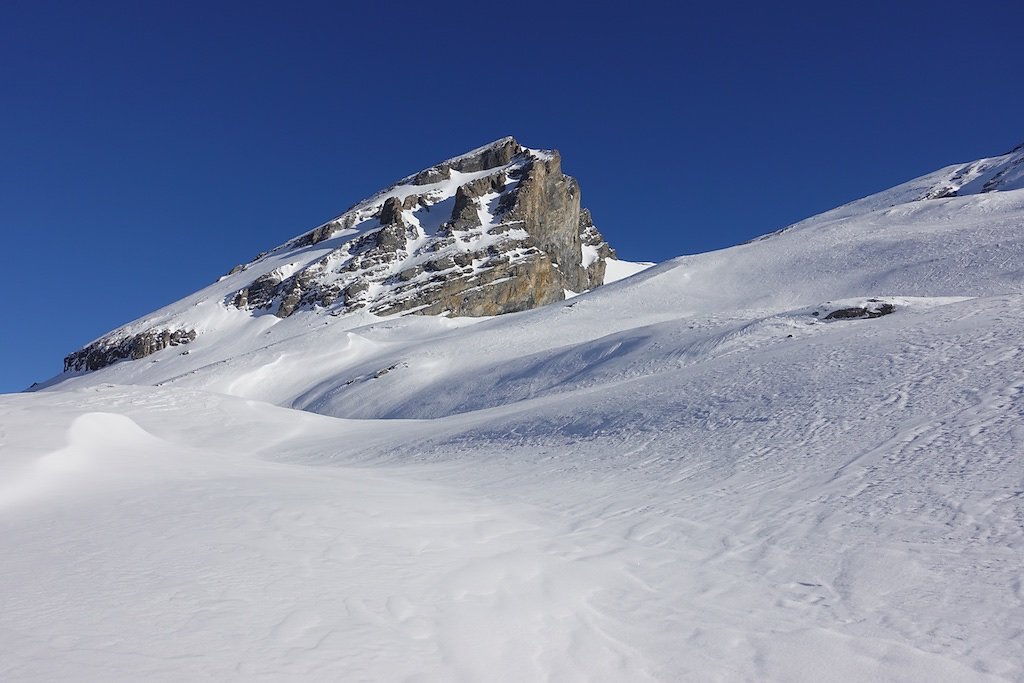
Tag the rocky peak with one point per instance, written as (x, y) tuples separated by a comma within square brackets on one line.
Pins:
[(446, 241), (493, 155), (496, 230)]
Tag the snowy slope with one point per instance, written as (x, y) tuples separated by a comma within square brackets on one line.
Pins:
[(963, 246), (692, 474)]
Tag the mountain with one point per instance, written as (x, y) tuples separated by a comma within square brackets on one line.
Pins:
[(793, 459), (496, 230)]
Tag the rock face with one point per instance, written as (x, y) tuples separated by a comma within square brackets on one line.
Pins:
[(496, 230), (106, 351), (873, 309)]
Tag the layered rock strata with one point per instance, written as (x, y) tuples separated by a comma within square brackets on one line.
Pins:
[(448, 240)]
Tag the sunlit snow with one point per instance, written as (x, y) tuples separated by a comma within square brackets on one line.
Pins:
[(690, 474)]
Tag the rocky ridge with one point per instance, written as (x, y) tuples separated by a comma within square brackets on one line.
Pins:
[(496, 230)]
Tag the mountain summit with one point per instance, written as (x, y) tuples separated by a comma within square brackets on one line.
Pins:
[(496, 230)]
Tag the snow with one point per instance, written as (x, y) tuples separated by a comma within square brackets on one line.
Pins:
[(430, 218), (616, 269), (686, 474)]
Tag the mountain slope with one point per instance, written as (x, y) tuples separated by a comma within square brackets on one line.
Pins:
[(361, 366), (495, 230), (795, 459)]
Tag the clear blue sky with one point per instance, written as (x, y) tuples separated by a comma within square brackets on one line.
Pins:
[(149, 146)]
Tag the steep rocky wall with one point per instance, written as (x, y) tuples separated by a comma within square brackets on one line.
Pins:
[(548, 203), (535, 232)]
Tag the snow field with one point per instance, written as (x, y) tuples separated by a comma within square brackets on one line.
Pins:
[(166, 560), (842, 504), (686, 475)]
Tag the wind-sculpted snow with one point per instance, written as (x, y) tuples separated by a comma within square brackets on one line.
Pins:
[(231, 565), (843, 504), (794, 460)]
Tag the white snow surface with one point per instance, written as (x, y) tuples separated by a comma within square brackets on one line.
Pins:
[(688, 475)]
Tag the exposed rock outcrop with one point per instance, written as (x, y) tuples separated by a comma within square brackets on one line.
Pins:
[(511, 214), (107, 351), (596, 251), (874, 309), (498, 153)]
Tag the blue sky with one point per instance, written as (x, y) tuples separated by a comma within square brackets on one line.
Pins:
[(149, 146)]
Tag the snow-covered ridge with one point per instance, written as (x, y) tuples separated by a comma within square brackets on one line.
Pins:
[(1002, 173), (994, 174)]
